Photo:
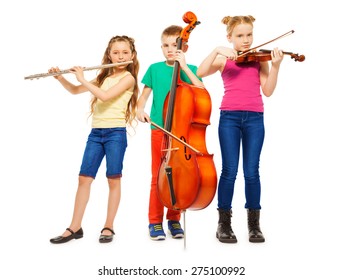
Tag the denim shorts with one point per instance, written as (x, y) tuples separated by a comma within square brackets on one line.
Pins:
[(109, 142)]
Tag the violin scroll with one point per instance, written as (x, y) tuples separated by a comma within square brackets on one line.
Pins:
[(297, 57)]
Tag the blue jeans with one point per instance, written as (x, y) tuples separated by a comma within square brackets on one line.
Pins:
[(111, 142), (236, 127)]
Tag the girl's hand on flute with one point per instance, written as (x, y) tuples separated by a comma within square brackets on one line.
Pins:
[(55, 70), (78, 71)]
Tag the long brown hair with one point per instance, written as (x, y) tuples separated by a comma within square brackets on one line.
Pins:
[(133, 68)]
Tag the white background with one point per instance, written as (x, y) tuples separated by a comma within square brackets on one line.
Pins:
[(44, 131)]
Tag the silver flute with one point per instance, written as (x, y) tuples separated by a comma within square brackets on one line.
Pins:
[(43, 75)]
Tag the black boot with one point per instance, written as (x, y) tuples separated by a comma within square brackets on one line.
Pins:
[(224, 231), (255, 234)]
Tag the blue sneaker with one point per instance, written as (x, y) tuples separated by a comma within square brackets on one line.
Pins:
[(175, 229), (156, 231)]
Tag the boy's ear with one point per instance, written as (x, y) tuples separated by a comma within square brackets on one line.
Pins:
[(185, 47)]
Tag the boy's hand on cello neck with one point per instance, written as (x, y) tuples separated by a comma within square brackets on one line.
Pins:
[(180, 57)]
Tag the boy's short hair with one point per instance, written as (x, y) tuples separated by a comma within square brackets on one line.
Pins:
[(172, 30)]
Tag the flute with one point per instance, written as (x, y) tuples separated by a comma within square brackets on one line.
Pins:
[(43, 75)]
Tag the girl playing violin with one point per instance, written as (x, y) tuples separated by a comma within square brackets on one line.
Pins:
[(241, 121), (115, 92)]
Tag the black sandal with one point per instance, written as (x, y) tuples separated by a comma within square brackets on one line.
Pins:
[(106, 238)]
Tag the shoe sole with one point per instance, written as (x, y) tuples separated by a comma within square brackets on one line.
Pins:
[(157, 238), (257, 240), (228, 240), (176, 236), (105, 240), (65, 240)]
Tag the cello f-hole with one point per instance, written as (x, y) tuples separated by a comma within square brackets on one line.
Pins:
[(186, 155), (168, 171)]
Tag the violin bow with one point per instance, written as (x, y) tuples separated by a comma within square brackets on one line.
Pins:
[(176, 138), (252, 49)]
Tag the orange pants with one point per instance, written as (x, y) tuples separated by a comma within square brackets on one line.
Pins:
[(156, 208)]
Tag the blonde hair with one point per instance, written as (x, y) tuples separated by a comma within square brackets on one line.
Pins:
[(231, 22), (133, 68)]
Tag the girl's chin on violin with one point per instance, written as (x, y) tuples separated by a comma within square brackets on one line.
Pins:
[(243, 48)]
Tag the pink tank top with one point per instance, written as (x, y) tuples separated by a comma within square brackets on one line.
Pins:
[(241, 87)]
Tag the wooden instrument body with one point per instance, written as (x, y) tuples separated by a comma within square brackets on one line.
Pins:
[(194, 176)]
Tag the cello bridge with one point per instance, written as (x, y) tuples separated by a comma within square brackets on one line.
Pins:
[(171, 149)]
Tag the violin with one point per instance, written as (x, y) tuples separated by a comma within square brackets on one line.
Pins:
[(187, 177), (265, 55)]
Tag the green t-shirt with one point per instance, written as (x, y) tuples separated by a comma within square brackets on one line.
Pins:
[(158, 77)]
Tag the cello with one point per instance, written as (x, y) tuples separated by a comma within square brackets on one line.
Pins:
[(187, 177)]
